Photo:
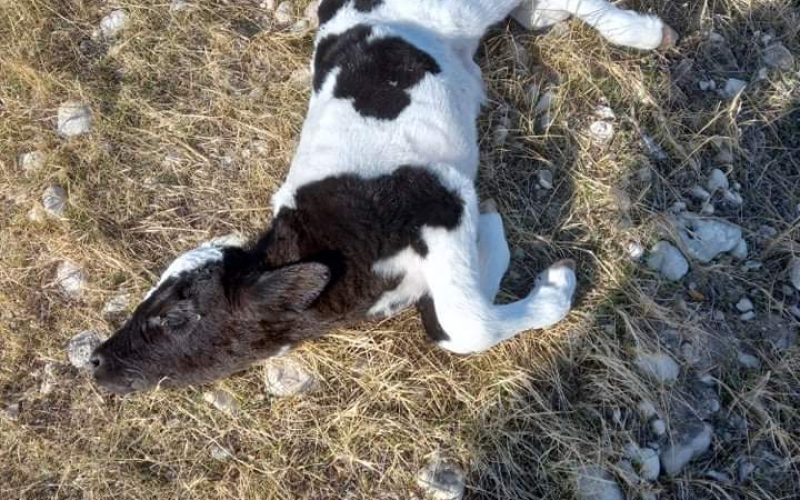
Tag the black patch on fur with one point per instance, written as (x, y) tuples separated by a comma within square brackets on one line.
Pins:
[(349, 223), (375, 75), (430, 321), (328, 8)]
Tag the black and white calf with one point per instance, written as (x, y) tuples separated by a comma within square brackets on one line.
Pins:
[(378, 212)]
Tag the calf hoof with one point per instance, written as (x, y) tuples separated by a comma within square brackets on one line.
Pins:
[(669, 38), (488, 206)]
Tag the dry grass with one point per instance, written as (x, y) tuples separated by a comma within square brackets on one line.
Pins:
[(194, 127)]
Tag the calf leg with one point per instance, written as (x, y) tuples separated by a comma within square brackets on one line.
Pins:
[(493, 253)]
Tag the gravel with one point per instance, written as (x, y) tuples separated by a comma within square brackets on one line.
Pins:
[(733, 87)]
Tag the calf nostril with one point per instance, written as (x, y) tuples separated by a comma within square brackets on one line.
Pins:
[(96, 361)]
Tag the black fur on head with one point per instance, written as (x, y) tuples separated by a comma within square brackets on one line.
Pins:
[(208, 323)]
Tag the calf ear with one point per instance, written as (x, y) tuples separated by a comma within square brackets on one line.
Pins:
[(293, 287)]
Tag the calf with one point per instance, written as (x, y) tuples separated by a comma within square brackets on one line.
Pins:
[(378, 212)]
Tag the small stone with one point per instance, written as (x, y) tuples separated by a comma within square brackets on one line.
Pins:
[(647, 462), (219, 453), (707, 85), (442, 480), (545, 179), (700, 194), (635, 250), (740, 251), (284, 377), (777, 56), (70, 280), (766, 233), (794, 273), (605, 113), (179, 5), (748, 361), (601, 132), (32, 161), (668, 260), (679, 453), (746, 469), (113, 23), (284, 13), (658, 426), (11, 411), (659, 366), (311, 13), (752, 265), (647, 409), (706, 238), (545, 103), (222, 401), (717, 180), (748, 316), (677, 207), (81, 347), (116, 307), (74, 119), (718, 315), (733, 87), (595, 483), (300, 26), (744, 305), (707, 208), (54, 200)]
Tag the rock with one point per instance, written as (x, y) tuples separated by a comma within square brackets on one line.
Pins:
[(32, 161), (545, 179), (81, 347), (70, 280), (284, 13), (74, 119), (113, 23), (706, 85), (647, 409), (733, 198), (635, 250), (179, 5), (545, 103), (707, 208), (220, 453), (706, 238), (54, 200), (679, 453), (752, 265), (794, 273), (748, 316), (601, 132), (699, 194), (744, 305), (717, 180), (11, 411), (659, 366), (222, 401), (605, 113), (733, 87), (668, 260), (645, 460), (658, 426), (595, 483), (442, 480), (777, 56), (284, 377), (116, 307), (748, 361)]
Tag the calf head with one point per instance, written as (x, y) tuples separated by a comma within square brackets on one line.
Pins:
[(209, 322)]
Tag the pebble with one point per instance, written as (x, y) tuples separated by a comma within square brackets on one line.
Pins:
[(733, 198), (81, 347), (284, 377), (748, 361), (442, 480), (222, 401), (717, 180), (794, 273), (32, 161), (284, 13), (70, 280), (659, 366), (635, 250), (706, 238), (666, 259), (54, 200), (220, 453), (658, 426), (647, 409), (680, 452), (545, 103), (601, 132), (74, 119), (700, 194), (605, 113), (179, 5), (744, 305), (752, 265), (646, 461), (113, 23), (707, 208), (777, 56), (116, 307), (595, 483), (12, 411), (545, 179), (706, 85), (748, 316), (718, 476), (733, 87)]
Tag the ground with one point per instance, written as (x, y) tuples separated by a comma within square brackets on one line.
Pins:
[(195, 115)]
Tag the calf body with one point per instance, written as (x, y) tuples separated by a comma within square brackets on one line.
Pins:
[(378, 212)]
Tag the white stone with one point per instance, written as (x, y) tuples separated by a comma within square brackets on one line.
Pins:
[(635, 250), (70, 280), (545, 178), (748, 316), (658, 426), (733, 87), (732, 197), (442, 480), (220, 453), (700, 194), (668, 260), (706, 85), (116, 306), (752, 265), (646, 461), (81, 347), (300, 26), (647, 409), (659, 366), (748, 361), (285, 377), (32, 161), (113, 23), (717, 180), (179, 5), (54, 201), (778, 56), (74, 119), (707, 208), (678, 454), (794, 273), (744, 305), (12, 411), (605, 113), (706, 238), (545, 103), (284, 13), (222, 401), (311, 13), (595, 483), (601, 132)]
